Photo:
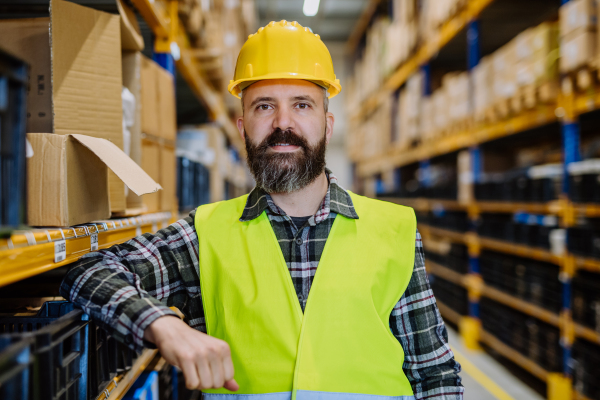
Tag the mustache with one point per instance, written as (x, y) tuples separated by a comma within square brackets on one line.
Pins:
[(283, 136)]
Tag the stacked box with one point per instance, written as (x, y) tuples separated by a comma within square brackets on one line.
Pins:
[(452, 255), (452, 295), (586, 299), (586, 358), (578, 36)]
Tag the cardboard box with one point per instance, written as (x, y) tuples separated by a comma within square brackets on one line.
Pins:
[(158, 101), (577, 51), (75, 59), (577, 16), (131, 36), (67, 178), (151, 164), (131, 62), (168, 179)]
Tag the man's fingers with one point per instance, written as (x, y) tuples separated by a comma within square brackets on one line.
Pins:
[(190, 373), (227, 364), (232, 385), (206, 377), (216, 367)]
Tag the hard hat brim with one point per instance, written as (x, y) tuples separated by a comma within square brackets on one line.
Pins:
[(333, 87)]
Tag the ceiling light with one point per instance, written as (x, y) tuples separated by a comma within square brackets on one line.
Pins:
[(311, 7)]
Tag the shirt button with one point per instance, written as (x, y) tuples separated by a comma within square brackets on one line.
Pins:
[(298, 241), (300, 297)]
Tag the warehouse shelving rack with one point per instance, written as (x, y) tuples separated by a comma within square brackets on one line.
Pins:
[(569, 105), (29, 252)]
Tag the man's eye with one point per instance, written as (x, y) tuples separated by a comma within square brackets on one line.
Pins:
[(263, 107), (303, 105)]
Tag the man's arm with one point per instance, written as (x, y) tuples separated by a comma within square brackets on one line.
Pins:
[(429, 363), (127, 287)]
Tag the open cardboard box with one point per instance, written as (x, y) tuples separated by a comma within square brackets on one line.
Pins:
[(75, 59), (67, 178)]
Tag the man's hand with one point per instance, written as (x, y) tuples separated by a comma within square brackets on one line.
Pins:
[(205, 361)]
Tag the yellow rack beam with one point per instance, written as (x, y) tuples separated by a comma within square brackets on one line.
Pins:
[(446, 273), (448, 313), (118, 388), (29, 253), (423, 204), (513, 355)]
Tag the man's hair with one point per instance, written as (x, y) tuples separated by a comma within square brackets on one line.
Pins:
[(325, 98)]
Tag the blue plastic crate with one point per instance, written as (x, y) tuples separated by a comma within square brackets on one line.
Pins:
[(16, 366), (144, 388)]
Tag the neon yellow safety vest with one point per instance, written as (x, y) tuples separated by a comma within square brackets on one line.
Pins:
[(341, 347)]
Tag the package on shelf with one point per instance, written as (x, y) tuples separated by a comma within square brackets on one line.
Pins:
[(576, 16), (440, 110), (131, 36), (75, 57), (67, 178), (401, 39), (405, 10), (409, 110), (504, 72), (159, 161), (426, 122), (578, 50), (157, 101), (456, 86), (482, 80)]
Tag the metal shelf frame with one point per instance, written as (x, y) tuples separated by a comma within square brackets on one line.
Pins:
[(31, 252)]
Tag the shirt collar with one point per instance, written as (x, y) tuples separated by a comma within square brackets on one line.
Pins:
[(336, 200)]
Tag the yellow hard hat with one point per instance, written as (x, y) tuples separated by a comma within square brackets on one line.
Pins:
[(284, 50)]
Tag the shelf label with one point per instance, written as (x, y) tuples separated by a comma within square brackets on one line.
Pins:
[(94, 241), (60, 251)]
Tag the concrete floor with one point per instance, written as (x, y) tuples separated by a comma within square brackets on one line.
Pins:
[(484, 378)]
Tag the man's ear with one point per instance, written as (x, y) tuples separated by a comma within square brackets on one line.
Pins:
[(329, 120), (240, 126)]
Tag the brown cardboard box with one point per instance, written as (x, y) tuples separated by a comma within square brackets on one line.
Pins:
[(131, 36), (577, 16), (158, 101), (132, 64), (67, 178), (151, 164), (166, 104), (149, 98), (577, 51), (75, 59), (168, 179)]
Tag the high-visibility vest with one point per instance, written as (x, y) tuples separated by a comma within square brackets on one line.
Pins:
[(341, 347)]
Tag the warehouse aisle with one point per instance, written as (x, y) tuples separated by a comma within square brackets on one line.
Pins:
[(484, 378)]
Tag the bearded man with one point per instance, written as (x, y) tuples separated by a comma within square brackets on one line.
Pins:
[(261, 323)]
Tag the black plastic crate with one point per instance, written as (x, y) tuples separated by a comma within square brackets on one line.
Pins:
[(16, 366), (531, 337), (13, 115), (457, 257), (586, 359), (586, 299), (533, 281), (452, 295), (451, 220)]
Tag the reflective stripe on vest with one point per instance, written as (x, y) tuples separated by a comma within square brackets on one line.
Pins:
[(342, 344)]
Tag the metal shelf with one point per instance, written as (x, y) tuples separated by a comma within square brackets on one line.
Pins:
[(32, 252), (521, 305), (446, 273), (430, 48), (459, 237), (519, 250), (586, 333), (157, 15), (394, 158), (448, 313), (424, 204), (513, 355)]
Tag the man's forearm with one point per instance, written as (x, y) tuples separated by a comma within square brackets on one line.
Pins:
[(128, 286)]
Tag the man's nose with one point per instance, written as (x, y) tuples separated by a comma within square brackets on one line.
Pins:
[(283, 119)]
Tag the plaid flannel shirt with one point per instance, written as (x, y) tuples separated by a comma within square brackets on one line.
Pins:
[(128, 286)]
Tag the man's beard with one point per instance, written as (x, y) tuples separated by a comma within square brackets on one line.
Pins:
[(285, 172)]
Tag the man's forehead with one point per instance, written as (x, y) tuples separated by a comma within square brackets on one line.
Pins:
[(283, 88)]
